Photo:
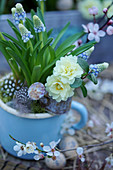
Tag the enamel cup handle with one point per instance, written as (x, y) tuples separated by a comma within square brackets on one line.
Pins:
[(83, 113)]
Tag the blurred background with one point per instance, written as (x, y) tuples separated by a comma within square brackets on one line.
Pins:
[(58, 13)]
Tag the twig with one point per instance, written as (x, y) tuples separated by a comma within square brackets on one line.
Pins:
[(89, 146)]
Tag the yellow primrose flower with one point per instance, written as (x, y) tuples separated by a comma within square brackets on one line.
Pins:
[(106, 3), (83, 7), (57, 89), (68, 69)]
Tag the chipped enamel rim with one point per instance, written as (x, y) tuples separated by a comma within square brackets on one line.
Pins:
[(24, 115)]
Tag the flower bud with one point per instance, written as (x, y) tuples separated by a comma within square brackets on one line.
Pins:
[(42, 145), (19, 8), (105, 10), (110, 22), (13, 10), (38, 25), (36, 91), (26, 35), (93, 11)]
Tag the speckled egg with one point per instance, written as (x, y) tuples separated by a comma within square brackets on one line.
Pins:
[(69, 142), (59, 163)]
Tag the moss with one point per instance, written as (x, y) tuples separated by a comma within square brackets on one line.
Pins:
[(36, 107)]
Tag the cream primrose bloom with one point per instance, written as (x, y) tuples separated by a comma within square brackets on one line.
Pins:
[(84, 6), (68, 69), (106, 3), (57, 89)]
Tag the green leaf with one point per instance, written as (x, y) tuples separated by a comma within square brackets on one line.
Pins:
[(32, 13), (84, 90), (36, 74), (14, 40), (23, 65), (16, 31), (14, 68), (83, 48), (77, 83), (39, 13), (29, 25), (52, 54), (60, 35), (40, 57), (36, 47), (65, 51), (69, 41), (49, 32), (83, 64)]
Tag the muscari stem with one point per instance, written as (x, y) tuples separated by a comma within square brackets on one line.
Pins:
[(42, 7), (41, 39), (29, 44)]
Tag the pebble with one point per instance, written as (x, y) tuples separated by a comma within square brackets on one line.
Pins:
[(59, 163), (69, 142)]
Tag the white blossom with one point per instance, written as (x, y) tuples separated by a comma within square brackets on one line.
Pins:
[(93, 32), (38, 155), (51, 151), (109, 161), (80, 151), (20, 149), (30, 147), (109, 129)]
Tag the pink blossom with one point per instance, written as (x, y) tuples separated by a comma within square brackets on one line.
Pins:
[(109, 30), (94, 32), (105, 10), (93, 11)]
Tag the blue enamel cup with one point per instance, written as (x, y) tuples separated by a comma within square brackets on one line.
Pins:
[(33, 127)]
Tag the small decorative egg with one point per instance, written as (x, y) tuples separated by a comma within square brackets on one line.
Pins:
[(59, 163), (69, 142)]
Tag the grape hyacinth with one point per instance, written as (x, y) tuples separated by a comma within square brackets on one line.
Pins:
[(38, 25), (26, 35), (97, 68), (85, 55), (18, 14)]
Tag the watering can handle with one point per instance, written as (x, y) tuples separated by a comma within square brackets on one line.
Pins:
[(80, 108)]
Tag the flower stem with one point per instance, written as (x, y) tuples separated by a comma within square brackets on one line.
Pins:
[(41, 39), (16, 140), (42, 7), (106, 22), (29, 44)]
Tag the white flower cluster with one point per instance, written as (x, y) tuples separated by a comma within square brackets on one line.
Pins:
[(64, 74), (30, 147)]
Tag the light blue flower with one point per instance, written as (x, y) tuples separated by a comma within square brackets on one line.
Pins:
[(26, 35), (97, 68), (38, 25), (85, 55), (18, 13)]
